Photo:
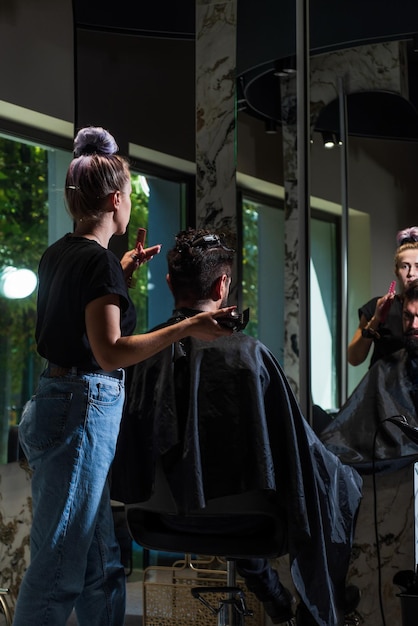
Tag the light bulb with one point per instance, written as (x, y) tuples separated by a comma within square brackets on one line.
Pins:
[(17, 283)]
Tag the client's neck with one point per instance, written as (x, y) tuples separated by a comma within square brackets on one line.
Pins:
[(198, 305)]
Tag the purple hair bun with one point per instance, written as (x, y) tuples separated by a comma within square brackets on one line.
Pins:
[(408, 235), (94, 140)]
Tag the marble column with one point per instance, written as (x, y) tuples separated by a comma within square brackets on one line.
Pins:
[(215, 114), (291, 233)]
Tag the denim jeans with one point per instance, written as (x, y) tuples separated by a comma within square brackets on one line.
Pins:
[(68, 433)]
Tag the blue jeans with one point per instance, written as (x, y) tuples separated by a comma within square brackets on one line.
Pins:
[(68, 433)]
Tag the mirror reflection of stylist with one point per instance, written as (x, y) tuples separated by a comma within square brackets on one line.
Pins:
[(381, 318)]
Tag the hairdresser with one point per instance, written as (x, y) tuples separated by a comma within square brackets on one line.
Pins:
[(69, 428), (380, 319)]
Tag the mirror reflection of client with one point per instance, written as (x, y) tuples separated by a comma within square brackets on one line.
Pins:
[(388, 390), (222, 420)]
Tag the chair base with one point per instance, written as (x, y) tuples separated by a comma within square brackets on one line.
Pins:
[(168, 600), (231, 609)]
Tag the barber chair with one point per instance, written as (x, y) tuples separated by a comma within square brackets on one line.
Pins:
[(157, 524)]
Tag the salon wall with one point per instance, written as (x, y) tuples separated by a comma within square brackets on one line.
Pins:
[(142, 88), (36, 56), (381, 183)]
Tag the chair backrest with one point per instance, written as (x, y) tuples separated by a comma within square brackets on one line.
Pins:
[(250, 524)]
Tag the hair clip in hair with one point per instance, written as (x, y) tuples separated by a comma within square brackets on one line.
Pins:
[(210, 241), (73, 187), (185, 243), (206, 241)]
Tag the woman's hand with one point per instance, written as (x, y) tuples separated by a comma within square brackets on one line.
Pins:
[(132, 259), (204, 325), (382, 307)]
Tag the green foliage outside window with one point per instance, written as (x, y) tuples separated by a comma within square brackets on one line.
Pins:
[(23, 238), (250, 265), (139, 218)]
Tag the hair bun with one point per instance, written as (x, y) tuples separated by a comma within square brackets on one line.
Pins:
[(94, 140), (408, 235)]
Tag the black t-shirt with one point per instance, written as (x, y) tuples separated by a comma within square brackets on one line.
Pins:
[(73, 272), (391, 331)]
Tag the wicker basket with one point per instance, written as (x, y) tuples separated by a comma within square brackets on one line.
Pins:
[(168, 600)]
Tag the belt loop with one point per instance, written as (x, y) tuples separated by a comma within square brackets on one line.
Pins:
[(74, 371)]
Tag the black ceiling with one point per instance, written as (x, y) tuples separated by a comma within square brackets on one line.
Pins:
[(164, 18), (266, 28), (266, 34), (380, 114)]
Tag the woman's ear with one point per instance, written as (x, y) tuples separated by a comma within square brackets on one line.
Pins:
[(114, 200), (115, 196)]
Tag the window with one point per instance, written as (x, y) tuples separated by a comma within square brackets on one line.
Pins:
[(262, 272), (325, 304), (29, 187), (158, 204), (263, 288)]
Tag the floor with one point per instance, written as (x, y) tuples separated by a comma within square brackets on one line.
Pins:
[(160, 592)]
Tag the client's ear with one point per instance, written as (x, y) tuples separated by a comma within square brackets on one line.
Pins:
[(168, 279), (220, 287)]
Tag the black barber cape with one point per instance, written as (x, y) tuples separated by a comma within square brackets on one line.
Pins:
[(360, 433), (243, 430)]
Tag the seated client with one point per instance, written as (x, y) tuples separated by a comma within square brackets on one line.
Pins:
[(221, 419)]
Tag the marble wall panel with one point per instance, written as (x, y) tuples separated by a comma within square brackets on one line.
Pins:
[(215, 113), (15, 523), (395, 531), (376, 66)]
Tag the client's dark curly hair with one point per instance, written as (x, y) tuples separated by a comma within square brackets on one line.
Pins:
[(197, 260)]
